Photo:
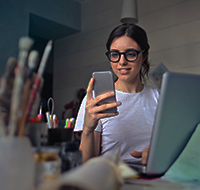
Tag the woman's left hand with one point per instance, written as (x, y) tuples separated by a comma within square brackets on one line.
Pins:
[(141, 154)]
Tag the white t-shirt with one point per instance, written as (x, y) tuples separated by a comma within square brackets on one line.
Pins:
[(132, 128)]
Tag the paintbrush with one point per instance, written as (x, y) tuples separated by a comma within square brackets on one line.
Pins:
[(25, 43), (36, 85), (32, 63), (6, 87)]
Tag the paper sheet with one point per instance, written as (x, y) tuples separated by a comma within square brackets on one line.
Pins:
[(187, 167)]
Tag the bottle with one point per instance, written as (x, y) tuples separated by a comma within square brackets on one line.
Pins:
[(71, 156)]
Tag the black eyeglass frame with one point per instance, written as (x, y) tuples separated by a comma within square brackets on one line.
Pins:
[(124, 53)]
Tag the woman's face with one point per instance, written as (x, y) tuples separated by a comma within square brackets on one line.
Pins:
[(126, 71)]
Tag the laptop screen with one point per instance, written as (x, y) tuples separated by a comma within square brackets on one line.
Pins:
[(177, 116)]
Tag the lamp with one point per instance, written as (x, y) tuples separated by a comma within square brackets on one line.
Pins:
[(129, 12)]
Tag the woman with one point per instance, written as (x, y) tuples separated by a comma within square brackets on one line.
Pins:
[(131, 127)]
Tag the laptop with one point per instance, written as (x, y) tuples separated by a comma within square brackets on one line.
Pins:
[(176, 118)]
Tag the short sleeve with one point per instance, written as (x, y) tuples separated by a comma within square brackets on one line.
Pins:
[(80, 116)]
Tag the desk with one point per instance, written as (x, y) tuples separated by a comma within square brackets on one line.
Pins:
[(158, 184), (143, 184)]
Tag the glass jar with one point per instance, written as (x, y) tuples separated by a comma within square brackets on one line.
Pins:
[(47, 164)]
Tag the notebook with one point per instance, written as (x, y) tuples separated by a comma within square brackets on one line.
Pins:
[(177, 115)]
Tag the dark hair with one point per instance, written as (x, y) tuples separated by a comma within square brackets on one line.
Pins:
[(137, 34)]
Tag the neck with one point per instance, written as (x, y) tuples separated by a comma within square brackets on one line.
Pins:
[(130, 87)]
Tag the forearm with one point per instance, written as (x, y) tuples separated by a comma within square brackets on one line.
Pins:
[(87, 145)]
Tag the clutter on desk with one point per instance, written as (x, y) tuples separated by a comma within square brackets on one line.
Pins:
[(69, 123), (50, 116), (20, 88), (20, 127), (53, 150), (105, 172)]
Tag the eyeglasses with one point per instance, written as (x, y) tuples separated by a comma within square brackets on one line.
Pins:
[(130, 55)]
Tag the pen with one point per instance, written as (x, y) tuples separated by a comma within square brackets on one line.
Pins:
[(32, 63), (69, 124), (72, 122), (55, 121), (40, 116), (48, 120), (66, 122)]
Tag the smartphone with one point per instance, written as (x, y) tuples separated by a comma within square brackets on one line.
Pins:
[(104, 83)]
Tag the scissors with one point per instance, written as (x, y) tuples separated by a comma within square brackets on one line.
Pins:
[(50, 108)]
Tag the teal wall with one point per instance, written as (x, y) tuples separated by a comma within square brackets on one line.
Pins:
[(39, 19)]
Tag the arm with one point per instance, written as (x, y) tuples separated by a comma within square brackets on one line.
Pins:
[(90, 145), (90, 140)]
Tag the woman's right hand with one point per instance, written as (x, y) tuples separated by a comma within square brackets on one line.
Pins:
[(93, 110)]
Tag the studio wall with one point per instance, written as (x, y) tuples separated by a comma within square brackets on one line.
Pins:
[(173, 28)]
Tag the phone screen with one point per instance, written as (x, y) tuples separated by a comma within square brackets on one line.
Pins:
[(104, 83)]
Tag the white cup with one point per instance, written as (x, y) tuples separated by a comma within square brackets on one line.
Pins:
[(16, 164)]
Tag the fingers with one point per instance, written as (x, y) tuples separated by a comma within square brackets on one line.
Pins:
[(144, 158), (145, 154), (99, 98), (93, 110), (89, 89), (136, 154), (94, 102), (141, 154)]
